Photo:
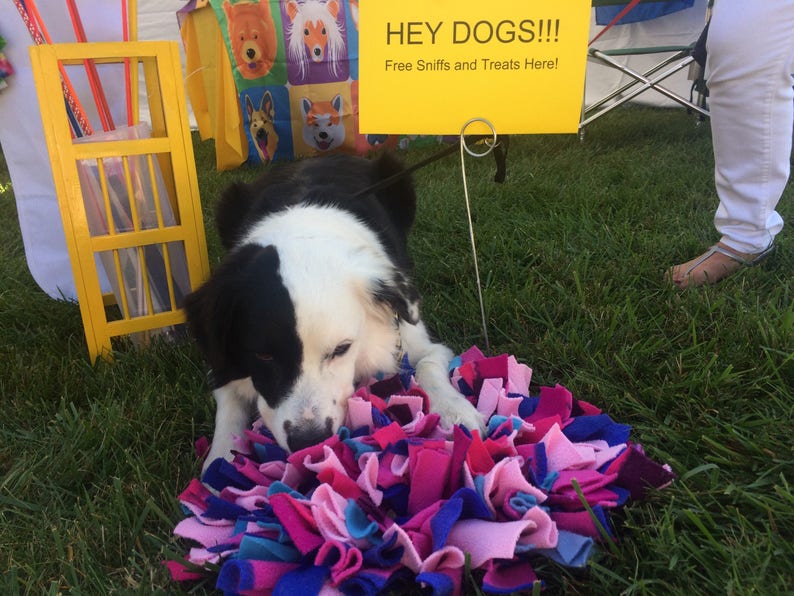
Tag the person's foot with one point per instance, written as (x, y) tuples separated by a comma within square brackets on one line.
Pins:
[(717, 263)]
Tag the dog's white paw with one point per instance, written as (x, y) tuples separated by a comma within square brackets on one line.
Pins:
[(220, 450), (456, 409)]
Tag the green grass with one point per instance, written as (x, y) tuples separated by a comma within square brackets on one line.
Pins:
[(572, 250)]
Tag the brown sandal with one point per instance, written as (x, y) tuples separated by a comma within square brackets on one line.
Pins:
[(711, 266)]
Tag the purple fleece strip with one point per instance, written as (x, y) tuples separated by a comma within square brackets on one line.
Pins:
[(507, 577), (239, 576)]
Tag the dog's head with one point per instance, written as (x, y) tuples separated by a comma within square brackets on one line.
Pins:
[(323, 126), (315, 21), (252, 35), (261, 126), (305, 323), (314, 31)]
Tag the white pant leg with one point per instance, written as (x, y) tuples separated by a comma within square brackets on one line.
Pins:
[(749, 73)]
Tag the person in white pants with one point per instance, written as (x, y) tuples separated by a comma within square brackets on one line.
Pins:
[(749, 66)]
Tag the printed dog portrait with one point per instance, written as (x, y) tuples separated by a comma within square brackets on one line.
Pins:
[(261, 126), (252, 35), (314, 35), (323, 128)]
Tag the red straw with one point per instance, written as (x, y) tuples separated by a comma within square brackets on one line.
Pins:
[(40, 35), (125, 32), (90, 68)]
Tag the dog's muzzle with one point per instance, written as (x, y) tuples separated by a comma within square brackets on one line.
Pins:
[(307, 434)]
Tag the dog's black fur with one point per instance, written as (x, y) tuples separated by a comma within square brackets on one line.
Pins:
[(340, 181)]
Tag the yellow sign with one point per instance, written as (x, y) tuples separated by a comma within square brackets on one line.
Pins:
[(428, 66)]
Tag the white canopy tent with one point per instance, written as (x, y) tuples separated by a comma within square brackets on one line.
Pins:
[(22, 139)]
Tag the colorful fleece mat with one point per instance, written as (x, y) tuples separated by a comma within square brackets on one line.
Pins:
[(396, 498)]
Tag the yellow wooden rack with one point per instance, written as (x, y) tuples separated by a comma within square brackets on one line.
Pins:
[(157, 240)]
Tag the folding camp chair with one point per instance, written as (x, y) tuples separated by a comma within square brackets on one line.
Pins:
[(672, 59)]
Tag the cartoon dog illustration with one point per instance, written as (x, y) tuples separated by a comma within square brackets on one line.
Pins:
[(323, 128), (314, 33), (252, 35), (261, 127)]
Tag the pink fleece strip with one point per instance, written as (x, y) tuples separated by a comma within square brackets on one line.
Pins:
[(359, 413), (193, 529), (328, 509), (554, 401), (344, 561), (561, 454), (367, 481), (518, 377), (428, 466), (489, 397), (486, 540), (194, 498), (505, 479), (298, 520)]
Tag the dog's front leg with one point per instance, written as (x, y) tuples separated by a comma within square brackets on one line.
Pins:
[(431, 361), (233, 403)]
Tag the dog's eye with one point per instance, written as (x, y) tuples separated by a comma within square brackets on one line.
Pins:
[(264, 357), (323, 31), (340, 350), (306, 32)]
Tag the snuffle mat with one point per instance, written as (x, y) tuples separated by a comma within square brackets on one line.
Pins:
[(394, 499)]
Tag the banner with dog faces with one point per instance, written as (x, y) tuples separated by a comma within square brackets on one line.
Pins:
[(431, 66), (295, 67)]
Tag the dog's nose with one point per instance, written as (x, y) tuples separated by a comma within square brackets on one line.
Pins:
[(307, 434)]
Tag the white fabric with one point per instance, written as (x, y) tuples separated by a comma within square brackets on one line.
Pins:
[(749, 72), (22, 139), (678, 28), (21, 135)]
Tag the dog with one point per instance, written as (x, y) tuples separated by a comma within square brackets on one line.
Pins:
[(261, 127), (314, 296), (252, 36), (323, 128), (315, 34)]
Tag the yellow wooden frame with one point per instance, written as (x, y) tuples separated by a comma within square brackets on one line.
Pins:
[(170, 144)]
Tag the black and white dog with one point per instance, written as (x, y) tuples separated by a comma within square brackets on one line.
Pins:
[(314, 296)]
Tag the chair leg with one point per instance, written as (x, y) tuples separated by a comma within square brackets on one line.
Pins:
[(642, 82), (653, 83)]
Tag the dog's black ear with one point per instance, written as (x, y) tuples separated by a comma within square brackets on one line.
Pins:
[(398, 197), (242, 204), (202, 309), (232, 211), (210, 312), (216, 311), (400, 296)]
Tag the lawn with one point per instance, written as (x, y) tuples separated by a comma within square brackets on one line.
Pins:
[(572, 250)]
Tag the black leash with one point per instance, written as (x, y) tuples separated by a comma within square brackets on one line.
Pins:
[(499, 153)]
